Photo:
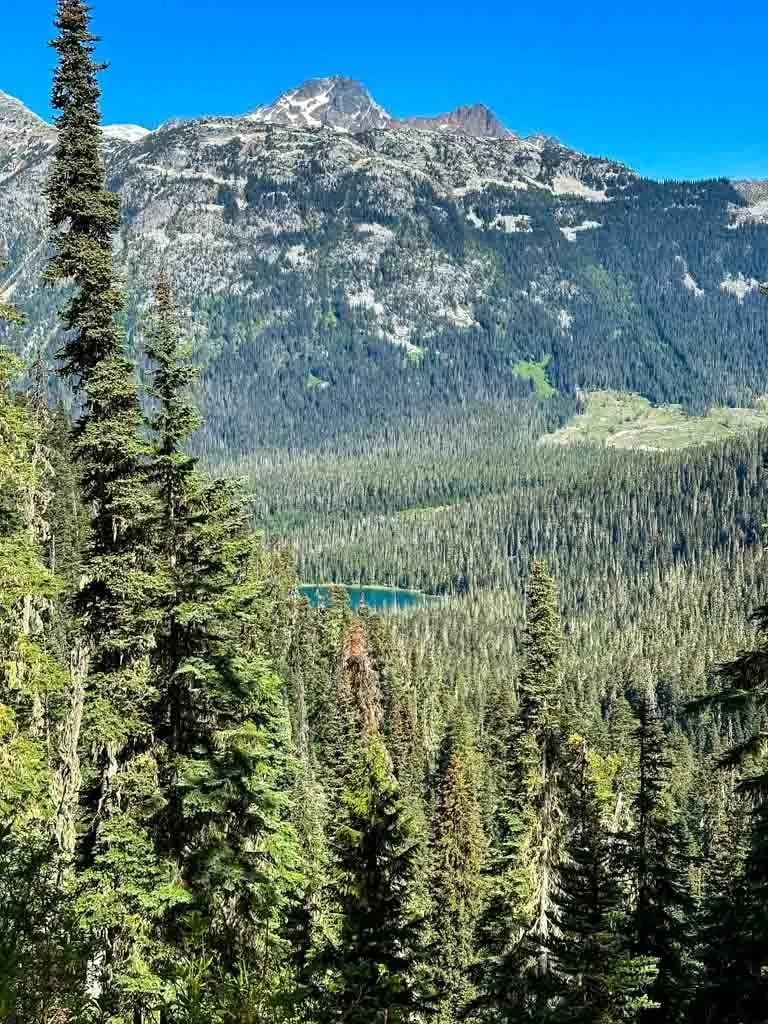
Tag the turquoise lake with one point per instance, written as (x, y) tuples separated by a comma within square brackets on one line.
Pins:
[(378, 599)]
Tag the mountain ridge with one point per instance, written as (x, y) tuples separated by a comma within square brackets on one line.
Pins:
[(405, 266), (334, 101), (319, 102)]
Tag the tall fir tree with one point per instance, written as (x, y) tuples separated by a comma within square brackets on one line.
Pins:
[(220, 726), (742, 700), (520, 922), (457, 852), (125, 887), (660, 859), (371, 973), (599, 980), (725, 980)]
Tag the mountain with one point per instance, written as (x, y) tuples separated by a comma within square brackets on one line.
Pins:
[(334, 102), (337, 265), (125, 132), (23, 135), (476, 120)]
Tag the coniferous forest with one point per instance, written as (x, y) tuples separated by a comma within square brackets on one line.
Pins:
[(540, 797)]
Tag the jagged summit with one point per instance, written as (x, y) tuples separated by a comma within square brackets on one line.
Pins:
[(475, 119), (334, 102), (346, 105)]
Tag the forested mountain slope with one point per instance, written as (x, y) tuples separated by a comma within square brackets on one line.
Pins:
[(220, 804), (339, 266)]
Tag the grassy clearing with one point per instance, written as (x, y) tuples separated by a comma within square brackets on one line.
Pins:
[(537, 373), (622, 420)]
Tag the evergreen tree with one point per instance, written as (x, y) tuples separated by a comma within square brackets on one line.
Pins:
[(660, 859), (125, 887), (370, 973), (39, 948), (222, 732), (725, 982), (599, 981), (753, 937), (520, 922), (456, 855), (743, 699)]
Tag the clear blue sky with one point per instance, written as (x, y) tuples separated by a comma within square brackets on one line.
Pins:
[(674, 88)]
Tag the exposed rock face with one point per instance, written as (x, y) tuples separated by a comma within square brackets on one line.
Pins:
[(125, 132), (756, 195), (24, 137), (318, 232), (211, 198), (335, 102), (476, 120)]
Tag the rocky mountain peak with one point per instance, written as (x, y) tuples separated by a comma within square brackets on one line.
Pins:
[(335, 102), (473, 119), (14, 112)]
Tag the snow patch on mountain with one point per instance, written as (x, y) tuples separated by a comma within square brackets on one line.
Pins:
[(571, 233), (689, 282), (739, 286), (130, 133)]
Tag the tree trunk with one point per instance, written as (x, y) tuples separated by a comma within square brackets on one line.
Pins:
[(68, 778)]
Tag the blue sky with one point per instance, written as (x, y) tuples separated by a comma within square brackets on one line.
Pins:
[(675, 89)]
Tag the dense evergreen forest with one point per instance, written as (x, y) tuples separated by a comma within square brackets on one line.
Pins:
[(542, 798)]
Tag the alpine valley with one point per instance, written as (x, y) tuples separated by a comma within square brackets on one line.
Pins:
[(338, 266), (382, 511)]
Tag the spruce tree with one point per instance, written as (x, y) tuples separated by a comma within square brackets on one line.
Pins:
[(221, 729), (734, 925), (125, 887), (370, 973), (725, 982), (660, 859), (754, 934), (599, 981), (115, 602), (456, 854), (520, 923)]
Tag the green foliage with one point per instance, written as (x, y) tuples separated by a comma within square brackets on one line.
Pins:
[(220, 727), (600, 978), (370, 971), (457, 853), (127, 885), (536, 373), (660, 856), (631, 421), (221, 805), (725, 979), (520, 920), (39, 946)]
